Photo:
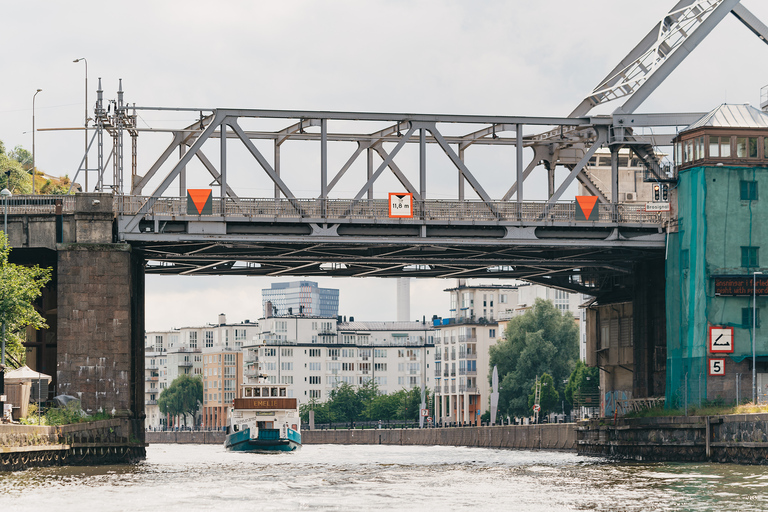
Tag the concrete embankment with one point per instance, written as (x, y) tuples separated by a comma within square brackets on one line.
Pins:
[(98, 442), (741, 439), (561, 436), (186, 437)]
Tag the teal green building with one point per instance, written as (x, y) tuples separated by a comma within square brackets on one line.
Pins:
[(716, 250)]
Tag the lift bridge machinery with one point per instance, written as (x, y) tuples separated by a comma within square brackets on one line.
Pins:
[(478, 233)]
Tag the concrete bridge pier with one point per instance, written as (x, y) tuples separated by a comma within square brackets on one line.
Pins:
[(94, 304)]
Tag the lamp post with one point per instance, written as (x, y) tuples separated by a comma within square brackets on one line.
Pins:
[(6, 194), (754, 327), (33, 140), (86, 119)]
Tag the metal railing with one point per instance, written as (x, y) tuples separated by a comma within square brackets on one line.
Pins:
[(35, 204), (377, 209)]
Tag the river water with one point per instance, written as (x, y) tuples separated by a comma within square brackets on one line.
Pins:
[(333, 477)]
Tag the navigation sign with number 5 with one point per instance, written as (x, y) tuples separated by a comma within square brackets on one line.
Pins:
[(717, 366), (721, 340)]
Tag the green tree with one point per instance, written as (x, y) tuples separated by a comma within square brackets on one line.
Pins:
[(583, 382), (182, 397), (345, 404), (19, 288), (549, 400), (543, 340)]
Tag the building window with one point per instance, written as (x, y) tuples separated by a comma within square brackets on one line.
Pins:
[(315, 393), (748, 190), (288, 366), (208, 339), (192, 340), (239, 334), (286, 352), (749, 256), (314, 352), (314, 379), (492, 333), (746, 318)]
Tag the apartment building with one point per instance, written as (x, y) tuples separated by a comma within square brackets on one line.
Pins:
[(222, 376), (182, 352), (314, 355), (479, 317)]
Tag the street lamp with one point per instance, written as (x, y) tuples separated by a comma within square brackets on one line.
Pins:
[(754, 327), (6, 194), (86, 119), (33, 140)]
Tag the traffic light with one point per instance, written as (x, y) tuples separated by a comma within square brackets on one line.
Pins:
[(657, 192), (665, 193)]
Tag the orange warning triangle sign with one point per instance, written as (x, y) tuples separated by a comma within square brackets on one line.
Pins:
[(587, 204), (199, 196)]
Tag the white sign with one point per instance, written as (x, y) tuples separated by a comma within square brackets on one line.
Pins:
[(400, 205), (721, 340), (425, 412), (717, 366), (657, 207)]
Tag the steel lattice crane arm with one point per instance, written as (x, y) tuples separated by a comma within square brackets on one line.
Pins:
[(659, 53)]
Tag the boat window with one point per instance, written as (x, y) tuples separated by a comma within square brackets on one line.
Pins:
[(282, 391), (248, 392), (752, 147), (274, 391)]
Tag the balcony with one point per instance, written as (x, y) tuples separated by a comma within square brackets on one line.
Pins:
[(438, 372), (437, 340), (150, 402), (453, 388), (151, 367), (446, 374), (453, 356), (453, 373), (152, 378), (465, 389), (185, 364), (472, 356), (438, 356), (252, 372), (472, 372)]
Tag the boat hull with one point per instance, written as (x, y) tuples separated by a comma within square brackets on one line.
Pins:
[(241, 442)]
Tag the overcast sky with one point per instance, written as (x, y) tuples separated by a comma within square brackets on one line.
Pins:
[(490, 57)]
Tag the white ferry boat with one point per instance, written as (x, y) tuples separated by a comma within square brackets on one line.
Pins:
[(264, 419)]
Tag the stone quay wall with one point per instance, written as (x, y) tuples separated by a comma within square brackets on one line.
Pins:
[(741, 439), (560, 436), (99, 442), (186, 437)]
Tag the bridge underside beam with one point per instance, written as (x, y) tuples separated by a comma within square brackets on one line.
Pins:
[(585, 269)]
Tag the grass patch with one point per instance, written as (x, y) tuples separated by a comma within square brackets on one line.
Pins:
[(71, 413)]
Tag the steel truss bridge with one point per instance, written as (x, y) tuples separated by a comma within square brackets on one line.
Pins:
[(484, 230)]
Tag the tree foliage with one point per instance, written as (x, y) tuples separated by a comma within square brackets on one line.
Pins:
[(182, 397), (19, 287), (348, 404), (549, 400), (16, 174), (584, 381), (543, 340)]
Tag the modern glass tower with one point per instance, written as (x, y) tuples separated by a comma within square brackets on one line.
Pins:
[(300, 298)]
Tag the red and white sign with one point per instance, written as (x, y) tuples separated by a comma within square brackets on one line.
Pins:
[(717, 366), (536, 407), (400, 205), (720, 340), (425, 412)]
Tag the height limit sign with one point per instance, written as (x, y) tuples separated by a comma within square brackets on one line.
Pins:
[(400, 205)]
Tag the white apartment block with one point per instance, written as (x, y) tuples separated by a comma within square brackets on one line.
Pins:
[(479, 316), (181, 351), (314, 355)]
